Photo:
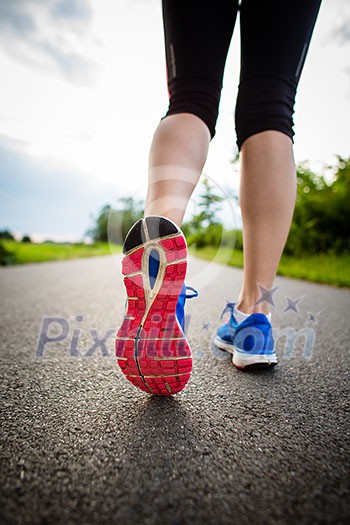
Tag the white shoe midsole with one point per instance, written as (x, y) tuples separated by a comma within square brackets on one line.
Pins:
[(222, 345), (240, 359)]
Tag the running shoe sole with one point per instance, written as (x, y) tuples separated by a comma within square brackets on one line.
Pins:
[(151, 348), (244, 360)]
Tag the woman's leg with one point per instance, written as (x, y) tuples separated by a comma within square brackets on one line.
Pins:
[(178, 153), (274, 43), (267, 198), (197, 38)]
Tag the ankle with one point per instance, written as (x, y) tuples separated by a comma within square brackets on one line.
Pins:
[(248, 306)]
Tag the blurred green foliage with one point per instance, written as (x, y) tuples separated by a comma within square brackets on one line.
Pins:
[(6, 235), (26, 238), (204, 229), (326, 268), (322, 212), (7, 256), (13, 252), (112, 224), (320, 223)]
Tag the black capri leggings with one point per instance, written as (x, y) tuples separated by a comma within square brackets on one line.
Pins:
[(275, 36)]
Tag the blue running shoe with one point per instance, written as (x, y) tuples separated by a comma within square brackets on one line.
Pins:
[(180, 307), (250, 342)]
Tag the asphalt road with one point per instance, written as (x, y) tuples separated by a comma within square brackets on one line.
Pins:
[(80, 445)]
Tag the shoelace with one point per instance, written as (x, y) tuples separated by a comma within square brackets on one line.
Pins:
[(195, 292), (228, 308)]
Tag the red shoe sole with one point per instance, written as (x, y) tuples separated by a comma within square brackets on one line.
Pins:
[(151, 348)]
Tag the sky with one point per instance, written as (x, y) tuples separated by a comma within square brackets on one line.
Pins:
[(83, 89)]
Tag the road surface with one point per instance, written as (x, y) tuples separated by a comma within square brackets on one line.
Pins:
[(80, 445)]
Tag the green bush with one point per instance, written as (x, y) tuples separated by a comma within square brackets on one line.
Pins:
[(232, 238), (6, 256), (215, 236), (6, 235), (320, 223), (209, 236), (322, 212), (26, 238), (112, 224)]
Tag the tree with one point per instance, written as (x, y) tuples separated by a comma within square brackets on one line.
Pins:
[(6, 235), (322, 212), (112, 224), (26, 238), (204, 228), (6, 256), (209, 205)]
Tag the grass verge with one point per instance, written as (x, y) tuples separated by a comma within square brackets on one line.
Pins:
[(322, 268), (23, 253)]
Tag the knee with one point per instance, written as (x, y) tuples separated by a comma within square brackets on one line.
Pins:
[(200, 97), (264, 103)]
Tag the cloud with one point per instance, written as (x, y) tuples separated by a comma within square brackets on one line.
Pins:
[(11, 144), (46, 196), (342, 33), (72, 9), (48, 35), (338, 20)]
